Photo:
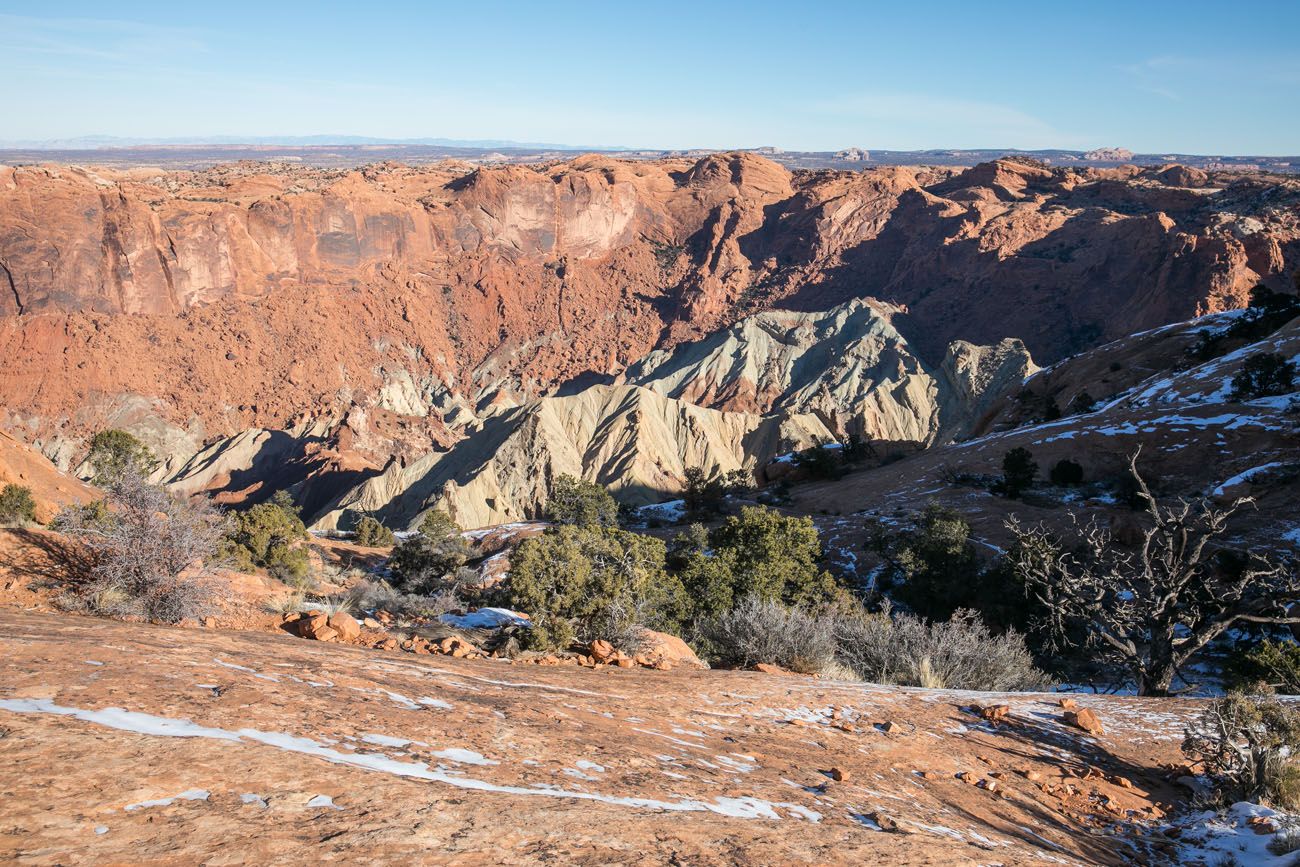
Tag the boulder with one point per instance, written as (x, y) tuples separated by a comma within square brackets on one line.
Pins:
[(663, 651), (345, 625), (1085, 719), (602, 651), (316, 625)]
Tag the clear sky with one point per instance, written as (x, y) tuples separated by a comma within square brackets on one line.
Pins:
[(1195, 77)]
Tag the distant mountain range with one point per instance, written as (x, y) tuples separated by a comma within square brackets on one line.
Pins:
[(96, 142)]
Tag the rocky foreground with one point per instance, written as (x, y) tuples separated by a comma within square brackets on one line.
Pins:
[(129, 743)]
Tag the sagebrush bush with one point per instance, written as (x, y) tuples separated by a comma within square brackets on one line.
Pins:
[(764, 630), (16, 505), (146, 553), (960, 653), (1249, 747), (377, 595)]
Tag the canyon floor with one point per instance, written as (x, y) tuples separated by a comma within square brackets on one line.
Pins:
[(125, 743)]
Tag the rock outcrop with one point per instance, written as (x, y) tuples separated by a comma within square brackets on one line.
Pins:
[(631, 440), (51, 490), (849, 365)]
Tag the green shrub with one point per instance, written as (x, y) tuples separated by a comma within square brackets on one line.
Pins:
[(370, 533), (581, 503), (423, 563), (1066, 473), (269, 535), (114, 453), (706, 495), (1018, 471), (582, 583), (1083, 402), (17, 505), (932, 568), (1249, 747), (821, 462), (759, 553), (1264, 374), (1268, 311), (1273, 663)]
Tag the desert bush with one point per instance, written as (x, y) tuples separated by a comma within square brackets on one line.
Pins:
[(581, 503), (705, 495), (146, 553), (1264, 374), (286, 603), (1273, 663), (759, 553), (269, 535), (370, 533), (377, 595), (932, 568), (821, 461), (1036, 407), (960, 653), (590, 582), (1249, 747), (1018, 471), (763, 630), (1081, 403), (1066, 473), (115, 453), (16, 505), (423, 563)]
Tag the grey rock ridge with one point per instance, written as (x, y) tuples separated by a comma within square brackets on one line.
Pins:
[(772, 383)]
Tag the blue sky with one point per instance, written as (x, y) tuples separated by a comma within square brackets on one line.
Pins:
[(1193, 77)]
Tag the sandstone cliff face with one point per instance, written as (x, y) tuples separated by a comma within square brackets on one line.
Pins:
[(631, 440), (194, 306)]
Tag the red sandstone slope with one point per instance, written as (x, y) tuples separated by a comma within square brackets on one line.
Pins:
[(262, 295), (214, 746)]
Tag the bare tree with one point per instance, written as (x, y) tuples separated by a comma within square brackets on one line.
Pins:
[(146, 552), (1151, 609)]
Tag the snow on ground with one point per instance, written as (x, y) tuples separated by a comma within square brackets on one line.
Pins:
[(188, 795), (1245, 476), (670, 512), (789, 457), (1228, 838), (486, 618)]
